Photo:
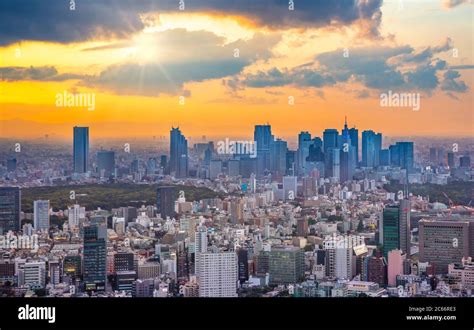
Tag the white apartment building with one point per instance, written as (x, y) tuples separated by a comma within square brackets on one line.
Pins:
[(217, 274)]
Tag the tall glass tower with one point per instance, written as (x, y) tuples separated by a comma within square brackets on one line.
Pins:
[(81, 149), (95, 257), (9, 209), (263, 138), (178, 153), (371, 146)]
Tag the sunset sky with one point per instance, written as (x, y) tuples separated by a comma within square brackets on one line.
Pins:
[(139, 57)]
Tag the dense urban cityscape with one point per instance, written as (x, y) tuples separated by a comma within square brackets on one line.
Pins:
[(344, 214)]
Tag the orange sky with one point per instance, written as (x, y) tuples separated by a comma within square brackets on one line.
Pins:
[(28, 109)]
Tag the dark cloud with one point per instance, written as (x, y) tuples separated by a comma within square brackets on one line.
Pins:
[(425, 54), (424, 77), (53, 20), (375, 68), (42, 73), (450, 82)]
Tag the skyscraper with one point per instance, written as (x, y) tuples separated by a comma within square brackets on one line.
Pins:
[(451, 163), (384, 157), (395, 228), (304, 142), (347, 155), (289, 187), (178, 154), (10, 203), (330, 137), (394, 155), (286, 265), (354, 134), (278, 151), (243, 265), (377, 269), (263, 138), (406, 157), (95, 257), (332, 159), (105, 162), (371, 146), (41, 215), (444, 241), (81, 149), (218, 274), (166, 196), (124, 261), (465, 161)]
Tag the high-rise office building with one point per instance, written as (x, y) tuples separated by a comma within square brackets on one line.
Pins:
[(451, 162), (41, 215), (125, 273), (304, 143), (286, 265), (444, 241), (218, 274), (371, 146), (278, 151), (289, 187), (75, 214), (233, 167), (200, 240), (465, 161), (178, 154), (164, 163), (215, 168), (441, 161), (81, 149), (330, 139), (95, 257), (384, 157), (10, 204), (332, 167), (394, 155), (354, 135), (263, 138), (166, 196), (377, 269), (330, 247), (347, 155), (105, 163), (200, 245), (395, 227), (243, 265), (124, 261), (406, 155), (291, 162)]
